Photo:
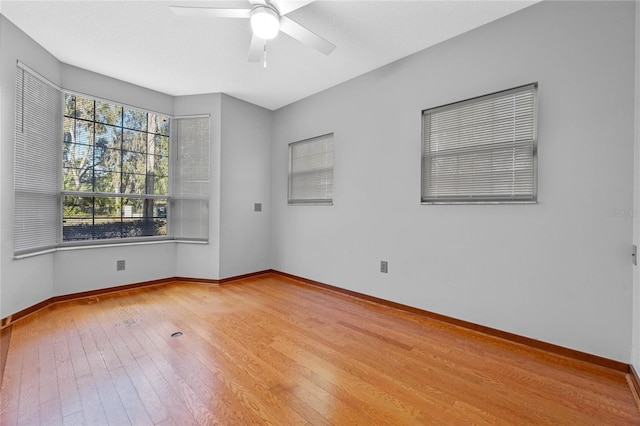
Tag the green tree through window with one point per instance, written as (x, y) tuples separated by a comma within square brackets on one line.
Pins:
[(115, 171)]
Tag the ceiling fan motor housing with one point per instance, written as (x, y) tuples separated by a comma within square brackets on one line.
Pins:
[(265, 21)]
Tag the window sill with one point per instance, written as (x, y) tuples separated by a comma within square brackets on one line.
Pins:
[(477, 202), (106, 245), (313, 203)]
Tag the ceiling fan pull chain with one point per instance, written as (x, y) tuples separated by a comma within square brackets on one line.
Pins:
[(265, 53)]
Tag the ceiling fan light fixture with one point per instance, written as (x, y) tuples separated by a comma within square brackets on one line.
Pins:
[(265, 22)]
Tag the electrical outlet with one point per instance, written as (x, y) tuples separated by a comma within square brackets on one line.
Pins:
[(384, 267), (120, 266)]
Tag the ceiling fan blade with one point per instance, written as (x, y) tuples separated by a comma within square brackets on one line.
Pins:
[(210, 12), (300, 33), (288, 6), (256, 49)]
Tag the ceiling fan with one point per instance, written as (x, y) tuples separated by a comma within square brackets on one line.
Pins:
[(268, 19)]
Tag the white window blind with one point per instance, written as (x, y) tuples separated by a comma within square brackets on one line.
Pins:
[(38, 132), (191, 178), (311, 171), (482, 149)]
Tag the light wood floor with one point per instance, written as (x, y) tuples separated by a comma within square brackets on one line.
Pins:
[(268, 351)]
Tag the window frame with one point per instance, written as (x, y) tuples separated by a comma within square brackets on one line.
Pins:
[(469, 199), (316, 201), (182, 224), (104, 195)]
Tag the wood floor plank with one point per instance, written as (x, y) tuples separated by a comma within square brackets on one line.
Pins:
[(76, 350), (170, 400), (114, 328), (109, 397), (93, 408), (46, 363), (67, 387), (75, 419), (9, 394), (29, 405), (134, 407), (50, 412), (269, 350)]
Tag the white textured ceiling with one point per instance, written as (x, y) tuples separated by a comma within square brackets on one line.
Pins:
[(144, 43)]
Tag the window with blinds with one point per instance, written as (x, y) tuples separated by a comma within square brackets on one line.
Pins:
[(191, 179), (481, 149), (311, 171), (90, 171), (38, 130)]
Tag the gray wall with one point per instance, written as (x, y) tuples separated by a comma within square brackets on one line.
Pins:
[(203, 260), (26, 282), (557, 271), (245, 180), (240, 163)]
